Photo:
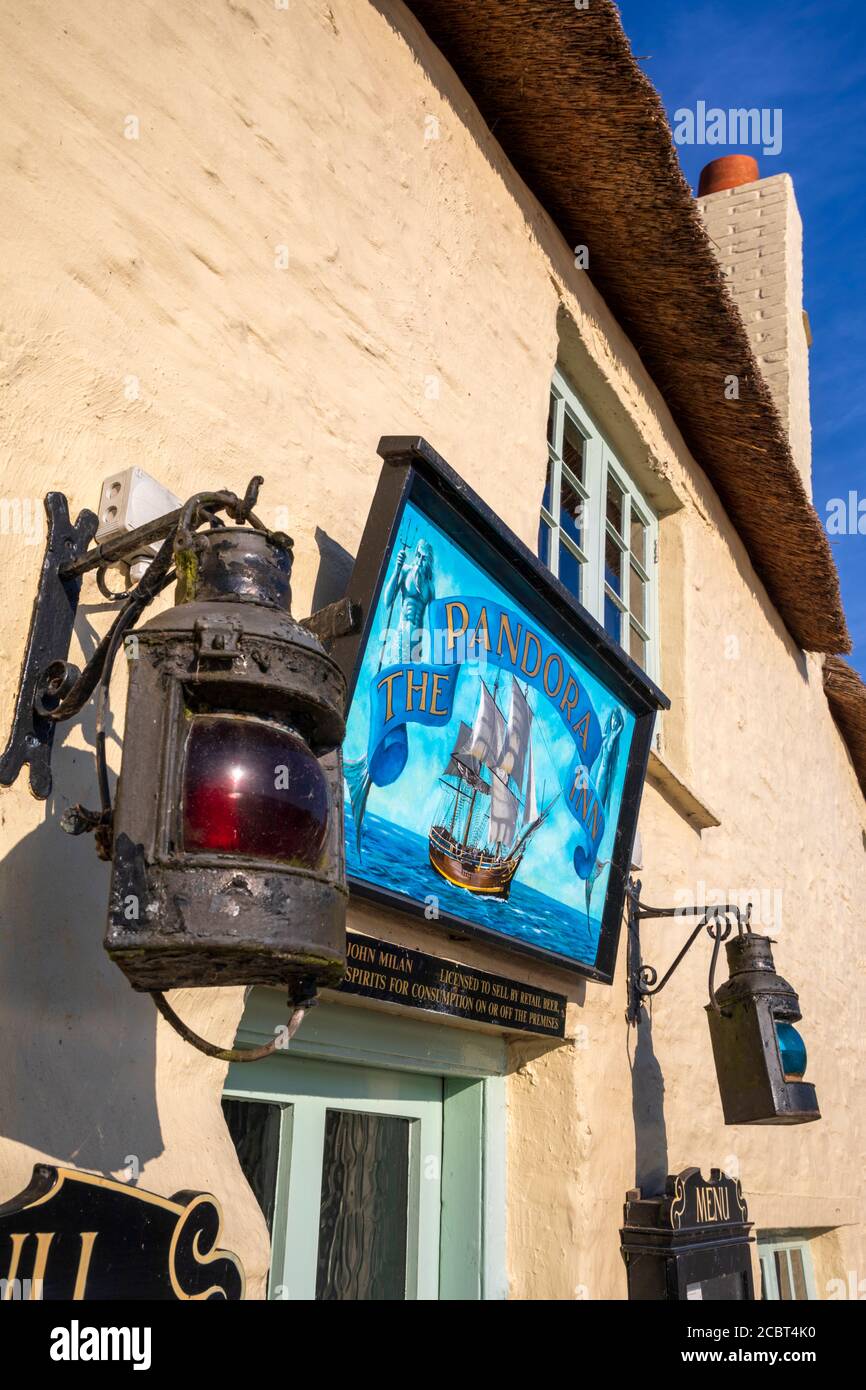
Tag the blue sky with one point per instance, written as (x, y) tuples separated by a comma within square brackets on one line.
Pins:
[(809, 59)]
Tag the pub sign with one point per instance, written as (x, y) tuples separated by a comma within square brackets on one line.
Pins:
[(497, 739), (78, 1236)]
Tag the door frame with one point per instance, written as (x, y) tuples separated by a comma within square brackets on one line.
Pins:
[(472, 1064)]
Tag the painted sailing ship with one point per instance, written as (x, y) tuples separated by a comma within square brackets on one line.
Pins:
[(489, 814)]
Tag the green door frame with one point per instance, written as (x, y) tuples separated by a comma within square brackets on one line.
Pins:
[(472, 1256)]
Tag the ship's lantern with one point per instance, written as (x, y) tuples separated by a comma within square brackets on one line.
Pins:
[(227, 848), (760, 1056)]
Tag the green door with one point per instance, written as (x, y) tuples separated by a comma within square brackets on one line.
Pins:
[(346, 1162)]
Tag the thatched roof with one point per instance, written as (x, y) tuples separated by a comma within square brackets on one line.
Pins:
[(846, 696), (586, 130)]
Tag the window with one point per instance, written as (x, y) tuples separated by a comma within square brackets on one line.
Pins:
[(786, 1267), (597, 533)]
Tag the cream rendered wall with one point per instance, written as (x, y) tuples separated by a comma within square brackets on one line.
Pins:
[(313, 241)]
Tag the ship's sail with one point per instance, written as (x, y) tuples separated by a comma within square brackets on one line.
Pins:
[(463, 763), (488, 731), (517, 742), (504, 807)]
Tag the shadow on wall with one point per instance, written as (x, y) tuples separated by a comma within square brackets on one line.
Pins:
[(648, 1112), (335, 571), (647, 1097), (77, 1081)]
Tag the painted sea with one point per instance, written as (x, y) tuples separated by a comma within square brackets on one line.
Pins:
[(397, 859)]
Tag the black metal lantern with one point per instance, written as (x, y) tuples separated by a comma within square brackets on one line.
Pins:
[(228, 857), (226, 839), (760, 1057)]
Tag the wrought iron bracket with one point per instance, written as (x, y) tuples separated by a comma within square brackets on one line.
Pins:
[(643, 980), (45, 675), (336, 620), (50, 690)]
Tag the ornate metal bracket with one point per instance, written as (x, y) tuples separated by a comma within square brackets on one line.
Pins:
[(643, 980), (42, 679), (50, 690)]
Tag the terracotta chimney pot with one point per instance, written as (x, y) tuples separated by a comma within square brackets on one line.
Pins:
[(728, 172)]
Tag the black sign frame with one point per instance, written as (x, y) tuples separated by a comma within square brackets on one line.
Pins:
[(414, 471)]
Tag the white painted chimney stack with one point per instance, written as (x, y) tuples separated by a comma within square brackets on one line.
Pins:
[(756, 229)]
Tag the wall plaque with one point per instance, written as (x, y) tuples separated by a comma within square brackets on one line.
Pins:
[(78, 1236), (380, 970), (497, 737)]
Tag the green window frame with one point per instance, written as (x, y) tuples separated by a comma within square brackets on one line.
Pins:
[(787, 1271), (597, 533), (469, 1068)]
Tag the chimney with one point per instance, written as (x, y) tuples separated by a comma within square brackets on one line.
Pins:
[(756, 230)]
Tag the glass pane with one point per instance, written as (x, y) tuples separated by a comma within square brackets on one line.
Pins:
[(638, 538), (799, 1275), (544, 542), (569, 570), (782, 1275), (253, 788), (551, 420), (612, 618), (612, 564), (255, 1129), (614, 505), (637, 596), (545, 501), (572, 448), (571, 512), (636, 646), (363, 1219)]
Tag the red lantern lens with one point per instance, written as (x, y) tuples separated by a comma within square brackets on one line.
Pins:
[(252, 788)]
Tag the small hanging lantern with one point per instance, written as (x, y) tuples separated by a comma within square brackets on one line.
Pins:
[(760, 1056)]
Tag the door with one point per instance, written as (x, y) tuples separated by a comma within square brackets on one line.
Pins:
[(346, 1162)]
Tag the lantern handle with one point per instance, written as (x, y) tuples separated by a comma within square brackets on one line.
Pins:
[(302, 1000)]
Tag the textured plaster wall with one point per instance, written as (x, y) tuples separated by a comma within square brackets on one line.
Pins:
[(313, 241)]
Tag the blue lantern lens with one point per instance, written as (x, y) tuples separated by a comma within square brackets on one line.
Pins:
[(792, 1050)]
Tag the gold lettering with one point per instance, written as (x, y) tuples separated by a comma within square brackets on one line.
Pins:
[(88, 1239), (524, 665), (581, 728), (568, 700), (450, 609), (439, 679), (17, 1240), (553, 657), (389, 697), (413, 686), (481, 631), (513, 642)]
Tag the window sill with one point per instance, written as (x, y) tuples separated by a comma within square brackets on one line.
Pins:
[(679, 795)]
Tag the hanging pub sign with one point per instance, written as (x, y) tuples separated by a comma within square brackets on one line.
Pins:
[(497, 738), (78, 1236)]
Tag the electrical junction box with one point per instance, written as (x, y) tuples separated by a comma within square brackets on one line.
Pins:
[(131, 499)]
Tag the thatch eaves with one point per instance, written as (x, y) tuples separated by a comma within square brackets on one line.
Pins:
[(586, 130), (846, 696)]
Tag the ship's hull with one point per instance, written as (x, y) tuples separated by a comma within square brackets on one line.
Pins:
[(465, 868)]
